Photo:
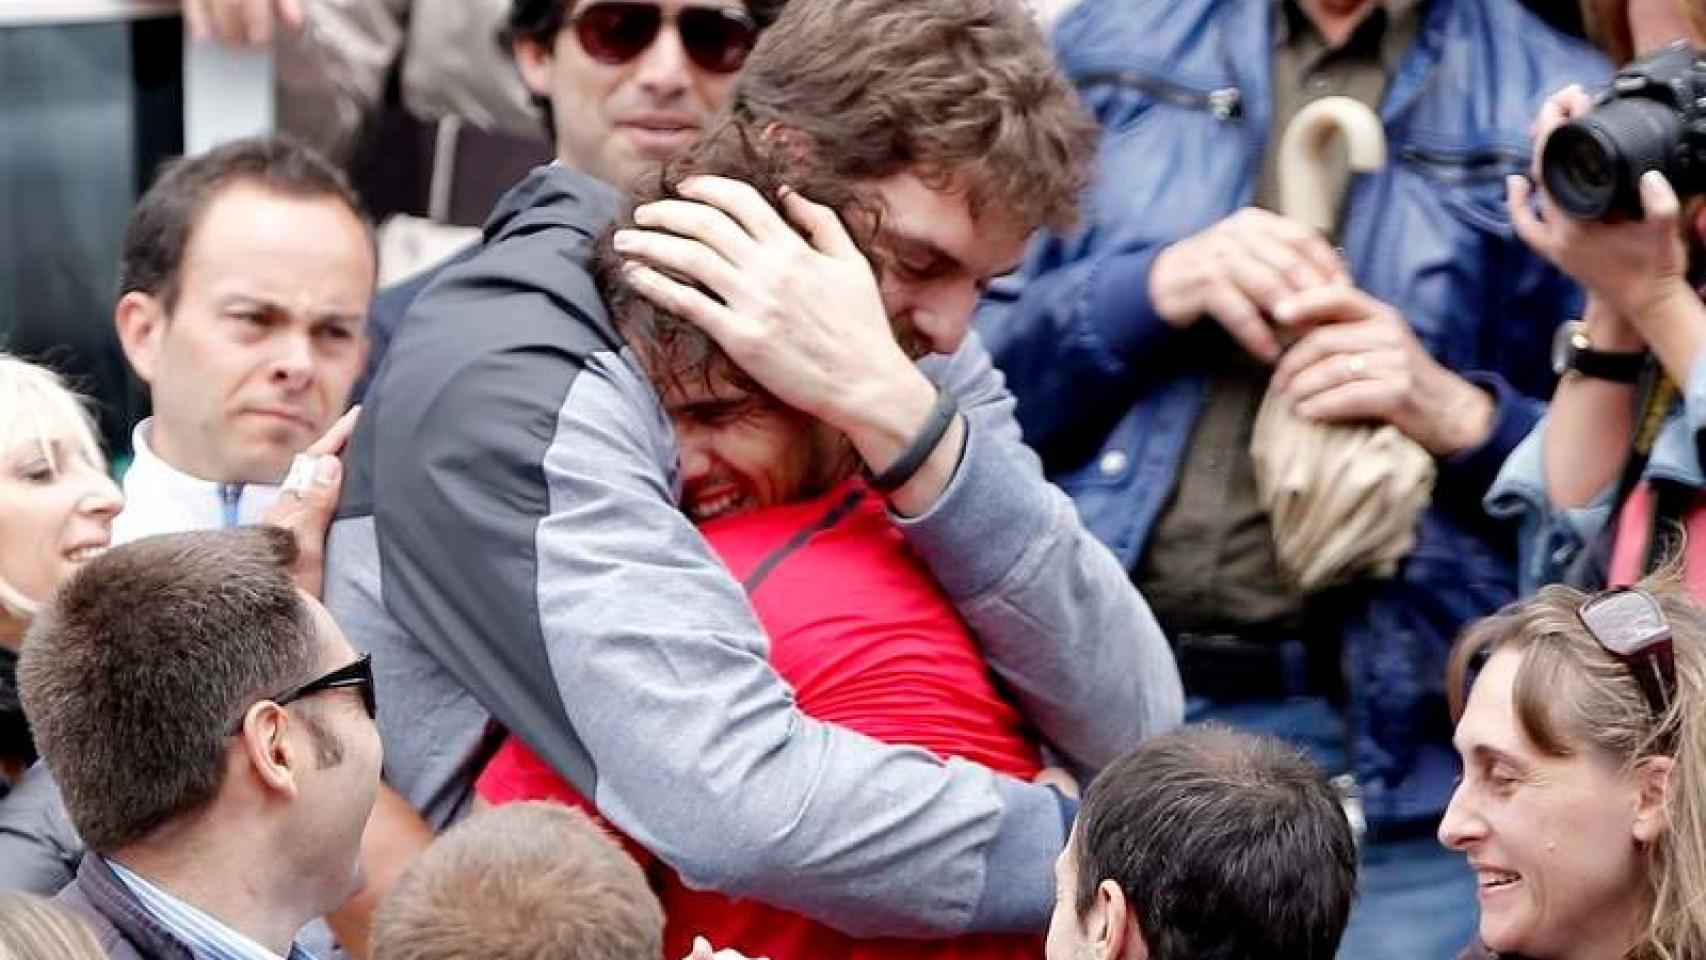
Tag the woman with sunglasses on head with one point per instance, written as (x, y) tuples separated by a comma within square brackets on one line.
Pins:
[(1616, 465), (1581, 721)]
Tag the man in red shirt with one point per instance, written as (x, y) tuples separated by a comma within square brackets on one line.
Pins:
[(856, 622)]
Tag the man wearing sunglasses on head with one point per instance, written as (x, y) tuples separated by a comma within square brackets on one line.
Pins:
[(214, 736), (511, 550)]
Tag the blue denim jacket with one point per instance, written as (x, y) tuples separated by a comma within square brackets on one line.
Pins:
[(1109, 398), (1552, 535)]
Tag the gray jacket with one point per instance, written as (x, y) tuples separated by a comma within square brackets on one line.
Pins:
[(39, 848), (510, 551)]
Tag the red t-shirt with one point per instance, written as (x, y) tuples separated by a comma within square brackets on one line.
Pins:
[(861, 630)]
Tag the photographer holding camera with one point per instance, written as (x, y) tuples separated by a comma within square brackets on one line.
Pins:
[(1606, 482)]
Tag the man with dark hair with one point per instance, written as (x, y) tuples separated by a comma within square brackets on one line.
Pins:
[(212, 732), (1206, 844), (522, 882), (511, 539), (244, 290)]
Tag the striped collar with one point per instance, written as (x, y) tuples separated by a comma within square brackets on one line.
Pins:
[(206, 937)]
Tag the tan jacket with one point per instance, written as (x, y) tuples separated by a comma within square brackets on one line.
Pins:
[(332, 75)]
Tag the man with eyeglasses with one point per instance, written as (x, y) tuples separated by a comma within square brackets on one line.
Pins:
[(512, 551), (214, 736)]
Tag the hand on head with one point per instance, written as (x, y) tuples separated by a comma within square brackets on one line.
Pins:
[(805, 318)]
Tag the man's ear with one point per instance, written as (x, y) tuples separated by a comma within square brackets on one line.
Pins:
[(1652, 779), (141, 322), (1113, 927), (274, 757), (533, 59)]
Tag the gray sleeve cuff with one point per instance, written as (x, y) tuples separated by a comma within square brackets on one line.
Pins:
[(1018, 892)]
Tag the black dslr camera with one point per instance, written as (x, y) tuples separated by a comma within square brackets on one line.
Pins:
[(1652, 117)]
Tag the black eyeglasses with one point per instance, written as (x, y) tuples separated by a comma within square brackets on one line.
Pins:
[(717, 39), (1630, 625), (357, 674)]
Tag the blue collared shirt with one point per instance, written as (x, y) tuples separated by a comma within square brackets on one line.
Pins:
[(206, 937)]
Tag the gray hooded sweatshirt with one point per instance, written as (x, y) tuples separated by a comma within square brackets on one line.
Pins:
[(510, 550)]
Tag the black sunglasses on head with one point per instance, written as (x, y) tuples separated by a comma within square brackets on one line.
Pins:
[(357, 674), (717, 39), (1630, 625)]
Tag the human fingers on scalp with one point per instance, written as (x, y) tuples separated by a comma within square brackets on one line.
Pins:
[(680, 256), (744, 204), (684, 301), (703, 222), (828, 234)]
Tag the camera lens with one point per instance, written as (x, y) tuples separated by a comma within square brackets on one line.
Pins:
[(1592, 166)]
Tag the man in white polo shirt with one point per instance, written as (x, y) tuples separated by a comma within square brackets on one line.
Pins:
[(245, 282)]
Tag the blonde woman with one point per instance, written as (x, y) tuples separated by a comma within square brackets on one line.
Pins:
[(56, 510), (34, 929), (1582, 807)]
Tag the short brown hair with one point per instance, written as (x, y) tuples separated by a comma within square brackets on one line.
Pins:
[(135, 672), (964, 92), (527, 881), (157, 233), (1226, 844), (673, 349)]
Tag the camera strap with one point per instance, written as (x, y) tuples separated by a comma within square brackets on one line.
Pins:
[(1591, 568)]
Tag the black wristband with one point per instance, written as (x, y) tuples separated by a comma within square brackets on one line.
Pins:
[(895, 475)]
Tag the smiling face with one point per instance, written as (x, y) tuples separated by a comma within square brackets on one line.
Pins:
[(1553, 840), (257, 355), (56, 506), (939, 257), (615, 121), (741, 451)]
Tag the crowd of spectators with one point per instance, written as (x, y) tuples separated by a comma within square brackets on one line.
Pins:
[(815, 515)]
